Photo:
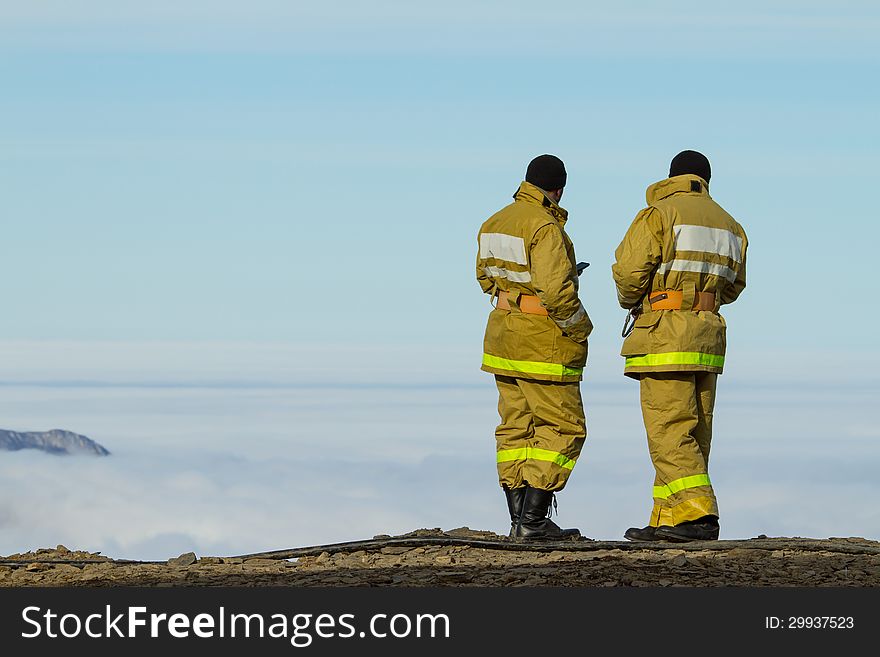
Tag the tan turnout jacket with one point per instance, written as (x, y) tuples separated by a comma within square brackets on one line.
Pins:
[(682, 241), (523, 249)]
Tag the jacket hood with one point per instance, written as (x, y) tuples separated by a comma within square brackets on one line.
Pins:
[(688, 183), (530, 193)]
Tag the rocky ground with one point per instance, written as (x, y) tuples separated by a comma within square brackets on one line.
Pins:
[(464, 557)]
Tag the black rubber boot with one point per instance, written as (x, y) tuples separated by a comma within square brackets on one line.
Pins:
[(643, 534), (535, 524), (701, 529), (515, 497)]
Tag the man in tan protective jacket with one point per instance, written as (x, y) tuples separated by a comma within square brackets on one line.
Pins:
[(536, 346), (681, 259)]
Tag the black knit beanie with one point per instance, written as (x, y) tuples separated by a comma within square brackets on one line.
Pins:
[(546, 172), (690, 162)]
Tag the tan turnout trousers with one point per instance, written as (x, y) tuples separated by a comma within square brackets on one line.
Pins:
[(677, 410), (541, 434)]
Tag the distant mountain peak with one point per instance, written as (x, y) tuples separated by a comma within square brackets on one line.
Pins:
[(54, 441)]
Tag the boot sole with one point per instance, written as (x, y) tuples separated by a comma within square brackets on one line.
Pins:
[(672, 538), (656, 539), (546, 539)]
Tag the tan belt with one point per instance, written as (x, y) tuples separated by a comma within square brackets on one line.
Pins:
[(671, 300), (528, 303)]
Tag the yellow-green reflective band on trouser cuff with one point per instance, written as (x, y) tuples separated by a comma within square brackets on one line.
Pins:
[(536, 454), (530, 367), (663, 492), (676, 358)]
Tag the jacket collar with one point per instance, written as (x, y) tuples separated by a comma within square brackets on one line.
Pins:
[(687, 183), (529, 193)]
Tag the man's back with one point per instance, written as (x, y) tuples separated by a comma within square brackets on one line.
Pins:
[(505, 240), (699, 237), (682, 246), (524, 253)]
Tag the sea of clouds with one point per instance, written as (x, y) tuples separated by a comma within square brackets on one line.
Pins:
[(229, 449)]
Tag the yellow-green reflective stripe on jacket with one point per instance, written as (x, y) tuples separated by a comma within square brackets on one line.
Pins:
[(530, 367), (525, 453), (663, 492), (676, 358)]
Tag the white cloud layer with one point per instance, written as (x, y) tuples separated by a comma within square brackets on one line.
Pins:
[(229, 468)]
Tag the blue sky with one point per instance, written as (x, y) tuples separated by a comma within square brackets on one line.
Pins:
[(270, 170), (283, 193)]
